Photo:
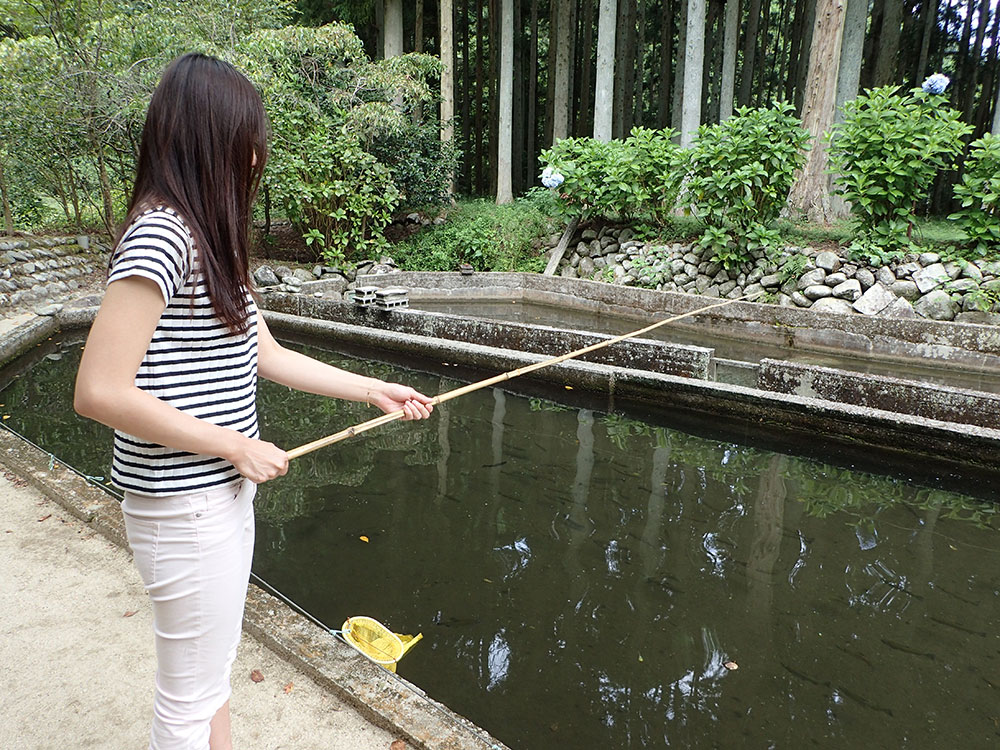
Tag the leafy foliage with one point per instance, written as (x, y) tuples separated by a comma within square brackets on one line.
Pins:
[(486, 236), (739, 173), (350, 139), (639, 176), (419, 163), (885, 155), (332, 112), (979, 192)]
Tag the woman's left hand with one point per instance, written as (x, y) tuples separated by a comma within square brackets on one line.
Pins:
[(390, 397)]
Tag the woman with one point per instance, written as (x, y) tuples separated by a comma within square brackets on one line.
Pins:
[(171, 364)]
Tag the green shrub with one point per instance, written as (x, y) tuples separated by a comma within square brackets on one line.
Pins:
[(739, 173), (885, 155), (486, 236), (332, 112), (979, 192), (638, 176), (420, 164)]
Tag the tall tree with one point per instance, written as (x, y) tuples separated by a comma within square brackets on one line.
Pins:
[(666, 59), (532, 124), (446, 30), (728, 87), (749, 52), (694, 53), (586, 68), (640, 57), (995, 127), (975, 59), (464, 92), (810, 193), (480, 105), (851, 52), (605, 79), (418, 27), (677, 96), (888, 48), (928, 20), (379, 28), (561, 90), (393, 30), (505, 192)]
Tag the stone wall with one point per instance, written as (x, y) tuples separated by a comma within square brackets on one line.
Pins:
[(914, 286), (42, 271)]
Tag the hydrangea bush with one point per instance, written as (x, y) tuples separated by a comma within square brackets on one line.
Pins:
[(979, 193), (616, 179), (739, 173), (885, 155)]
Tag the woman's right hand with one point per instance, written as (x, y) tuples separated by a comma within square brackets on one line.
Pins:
[(258, 460)]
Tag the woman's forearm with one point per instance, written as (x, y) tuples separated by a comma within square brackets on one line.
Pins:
[(303, 373), (146, 417)]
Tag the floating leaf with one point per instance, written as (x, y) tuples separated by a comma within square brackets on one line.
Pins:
[(257, 676), (640, 657), (363, 538), (731, 666)]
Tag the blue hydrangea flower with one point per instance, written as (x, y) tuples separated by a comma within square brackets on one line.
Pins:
[(936, 84), (551, 178)]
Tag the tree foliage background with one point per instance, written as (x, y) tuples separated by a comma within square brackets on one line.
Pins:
[(361, 140)]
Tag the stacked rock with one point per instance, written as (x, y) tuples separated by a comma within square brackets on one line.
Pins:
[(38, 271), (338, 280), (917, 285)]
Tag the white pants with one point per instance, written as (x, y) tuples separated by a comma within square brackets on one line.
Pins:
[(193, 552)]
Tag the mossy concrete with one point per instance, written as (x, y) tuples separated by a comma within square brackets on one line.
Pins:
[(970, 345)]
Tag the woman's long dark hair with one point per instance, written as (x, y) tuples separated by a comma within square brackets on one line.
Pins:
[(204, 129)]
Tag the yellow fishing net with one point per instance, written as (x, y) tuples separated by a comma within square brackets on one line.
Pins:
[(377, 642)]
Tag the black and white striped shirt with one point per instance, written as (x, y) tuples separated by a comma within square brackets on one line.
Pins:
[(194, 362)]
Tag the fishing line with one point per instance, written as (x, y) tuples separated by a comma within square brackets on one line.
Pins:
[(393, 416)]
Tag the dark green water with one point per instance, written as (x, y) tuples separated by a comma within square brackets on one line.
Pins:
[(581, 579)]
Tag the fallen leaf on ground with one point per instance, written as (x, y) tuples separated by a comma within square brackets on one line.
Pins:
[(398, 745), (45, 518), (257, 676), (15, 480), (288, 687), (130, 613)]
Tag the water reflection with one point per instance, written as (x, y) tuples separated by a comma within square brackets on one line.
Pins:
[(582, 578)]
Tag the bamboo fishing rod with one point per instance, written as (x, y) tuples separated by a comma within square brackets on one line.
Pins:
[(448, 396)]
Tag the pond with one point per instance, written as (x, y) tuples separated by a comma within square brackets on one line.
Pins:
[(587, 579)]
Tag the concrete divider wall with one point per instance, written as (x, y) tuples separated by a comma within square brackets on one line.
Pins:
[(644, 354), (880, 392), (927, 341)]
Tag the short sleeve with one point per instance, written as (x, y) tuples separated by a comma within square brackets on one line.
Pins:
[(157, 247)]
